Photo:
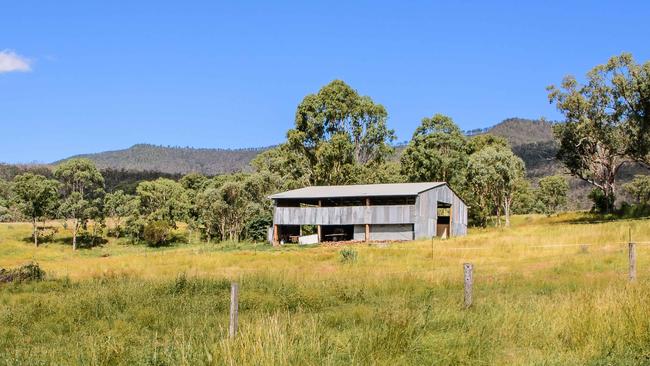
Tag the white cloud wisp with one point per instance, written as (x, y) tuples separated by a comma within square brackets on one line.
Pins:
[(12, 62)]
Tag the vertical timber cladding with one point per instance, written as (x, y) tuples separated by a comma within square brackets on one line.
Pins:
[(426, 207), (408, 218)]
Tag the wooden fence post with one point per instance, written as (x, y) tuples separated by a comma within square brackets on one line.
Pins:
[(468, 269), (632, 257), (234, 309)]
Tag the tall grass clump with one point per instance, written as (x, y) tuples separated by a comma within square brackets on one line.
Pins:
[(348, 255)]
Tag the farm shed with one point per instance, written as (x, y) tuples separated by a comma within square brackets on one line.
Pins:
[(397, 211)]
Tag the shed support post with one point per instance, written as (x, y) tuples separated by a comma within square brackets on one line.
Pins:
[(367, 225), (275, 235), (318, 229), (451, 220)]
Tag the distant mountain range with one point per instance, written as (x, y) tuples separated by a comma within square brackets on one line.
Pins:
[(174, 160), (531, 139)]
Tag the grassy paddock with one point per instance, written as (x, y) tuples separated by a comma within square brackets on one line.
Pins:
[(536, 302)]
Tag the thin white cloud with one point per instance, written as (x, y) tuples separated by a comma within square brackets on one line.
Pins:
[(10, 61)]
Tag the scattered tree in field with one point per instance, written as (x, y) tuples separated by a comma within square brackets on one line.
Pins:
[(37, 197), (212, 210), (552, 193), (606, 123), (163, 200), (83, 190), (494, 175), (157, 232), (526, 199), (118, 206), (193, 183), (639, 189), (238, 208), (437, 152), (337, 129)]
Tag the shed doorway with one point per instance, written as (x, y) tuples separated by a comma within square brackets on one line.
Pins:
[(443, 221)]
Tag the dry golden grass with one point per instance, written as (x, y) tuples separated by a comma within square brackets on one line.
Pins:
[(541, 297)]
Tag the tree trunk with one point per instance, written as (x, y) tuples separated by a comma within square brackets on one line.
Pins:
[(75, 227), (498, 223), (506, 211), (117, 228), (35, 232)]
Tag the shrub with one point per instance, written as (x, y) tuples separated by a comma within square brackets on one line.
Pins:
[(156, 233), (257, 226), (602, 204), (348, 255), (24, 273)]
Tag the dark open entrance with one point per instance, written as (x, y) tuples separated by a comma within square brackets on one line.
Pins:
[(288, 233), (337, 232), (443, 224)]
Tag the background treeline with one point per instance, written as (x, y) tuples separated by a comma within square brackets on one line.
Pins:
[(342, 137), (174, 160)]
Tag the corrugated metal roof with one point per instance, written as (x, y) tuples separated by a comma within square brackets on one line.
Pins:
[(359, 190)]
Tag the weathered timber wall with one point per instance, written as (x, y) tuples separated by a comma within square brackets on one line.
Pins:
[(426, 208), (344, 215)]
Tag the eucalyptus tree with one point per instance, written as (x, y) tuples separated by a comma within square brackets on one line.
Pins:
[(289, 168), (212, 211), (606, 122), (437, 152), (36, 197), (639, 189), (336, 129), (163, 200), (5, 200), (552, 193), (193, 183), (82, 186), (118, 206), (494, 176)]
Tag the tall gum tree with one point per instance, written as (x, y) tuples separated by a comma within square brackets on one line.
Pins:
[(338, 119), (437, 152), (83, 189), (36, 196), (606, 124)]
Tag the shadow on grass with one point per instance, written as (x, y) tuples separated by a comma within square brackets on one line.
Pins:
[(594, 218), (84, 241), (45, 235)]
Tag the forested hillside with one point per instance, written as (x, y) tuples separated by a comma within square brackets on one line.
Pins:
[(532, 141), (174, 160)]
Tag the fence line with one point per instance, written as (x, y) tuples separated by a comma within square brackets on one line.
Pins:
[(468, 285)]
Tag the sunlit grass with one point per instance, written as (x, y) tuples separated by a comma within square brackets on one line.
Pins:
[(547, 291)]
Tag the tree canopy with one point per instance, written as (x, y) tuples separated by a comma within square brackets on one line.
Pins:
[(606, 122), (337, 129), (437, 152), (37, 197)]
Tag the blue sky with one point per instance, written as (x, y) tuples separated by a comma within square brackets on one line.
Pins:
[(90, 76)]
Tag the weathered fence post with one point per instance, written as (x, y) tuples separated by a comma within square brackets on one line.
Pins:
[(468, 269), (234, 309), (632, 257)]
